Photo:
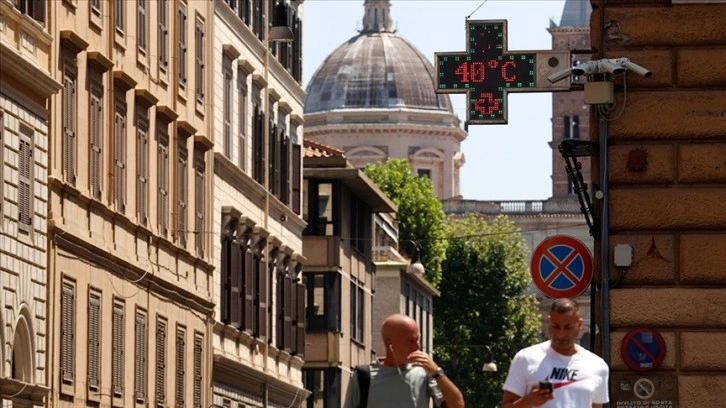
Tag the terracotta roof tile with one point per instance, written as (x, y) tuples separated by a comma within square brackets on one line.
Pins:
[(315, 149)]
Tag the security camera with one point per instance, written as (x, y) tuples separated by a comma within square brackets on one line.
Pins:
[(559, 76), (610, 66), (631, 66), (586, 68)]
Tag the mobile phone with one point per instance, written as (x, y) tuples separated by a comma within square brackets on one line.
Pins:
[(546, 385)]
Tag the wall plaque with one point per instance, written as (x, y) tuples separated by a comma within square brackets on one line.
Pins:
[(644, 391)]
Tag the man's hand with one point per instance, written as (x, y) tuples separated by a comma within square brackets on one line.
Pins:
[(423, 360), (536, 397)]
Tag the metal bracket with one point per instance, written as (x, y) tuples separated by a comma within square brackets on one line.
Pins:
[(571, 149)]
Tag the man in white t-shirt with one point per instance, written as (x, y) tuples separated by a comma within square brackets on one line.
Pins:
[(557, 373)]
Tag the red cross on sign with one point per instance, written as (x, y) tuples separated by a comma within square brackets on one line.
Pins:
[(561, 267)]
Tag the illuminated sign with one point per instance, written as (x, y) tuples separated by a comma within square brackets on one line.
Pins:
[(487, 71)]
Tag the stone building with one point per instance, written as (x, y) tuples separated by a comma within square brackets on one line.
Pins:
[(258, 340), (25, 48), (373, 97), (130, 259), (661, 167)]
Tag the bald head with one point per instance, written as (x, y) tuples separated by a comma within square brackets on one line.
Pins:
[(401, 337)]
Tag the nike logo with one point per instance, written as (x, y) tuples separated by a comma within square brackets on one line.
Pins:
[(565, 383)]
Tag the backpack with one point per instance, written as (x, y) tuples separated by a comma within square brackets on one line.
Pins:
[(363, 372)]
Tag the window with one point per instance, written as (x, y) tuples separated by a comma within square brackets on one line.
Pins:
[(140, 357), (198, 342), (296, 176), (566, 126), (258, 139), (359, 216), (141, 28), (181, 208), (117, 350), (322, 304), (575, 127), (242, 120), (273, 155), (256, 288), (199, 48), (163, 36), (297, 48), (142, 166), (120, 18), (324, 385), (2, 177), (67, 335), (321, 212), (94, 342), (283, 303), (69, 123), (33, 8), (357, 300), (162, 160), (26, 166), (258, 26), (179, 374), (120, 153), (424, 173), (182, 36), (96, 134), (160, 362), (199, 204), (96, 9), (227, 106)]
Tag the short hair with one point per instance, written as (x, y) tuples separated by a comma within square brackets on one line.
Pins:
[(565, 305)]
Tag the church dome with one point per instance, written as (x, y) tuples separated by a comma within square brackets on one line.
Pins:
[(376, 69)]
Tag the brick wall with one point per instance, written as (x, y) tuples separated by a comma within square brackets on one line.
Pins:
[(670, 207)]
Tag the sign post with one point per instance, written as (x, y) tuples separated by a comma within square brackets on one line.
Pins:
[(487, 71)]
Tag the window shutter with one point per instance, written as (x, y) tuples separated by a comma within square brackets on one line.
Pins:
[(67, 333), (140, 358), (96, 127), (286, 176), (299, 320), (296, 180), (287, 288), (236, 275), (118, 351), (225, 289), (261, 297), (94, 349), (142, 143), (199, 205), (160, 363), (39, 11), (198, 371), (182, 196), (163, 163), (249, 277), (179, 385), (69, 128), (25, 175), (227, 107), (120, 174)]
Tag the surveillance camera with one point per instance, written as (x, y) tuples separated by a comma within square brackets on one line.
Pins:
[(631, 66), (559, 76), (586, 68), (610, 66)]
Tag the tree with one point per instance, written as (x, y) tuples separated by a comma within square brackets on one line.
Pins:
[(483, 302), (420, 214)]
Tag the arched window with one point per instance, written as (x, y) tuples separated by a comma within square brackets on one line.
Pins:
[(22, 353)]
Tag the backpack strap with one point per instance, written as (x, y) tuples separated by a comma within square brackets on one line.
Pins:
[(364, 383)]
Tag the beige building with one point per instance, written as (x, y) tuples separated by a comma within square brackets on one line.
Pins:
[(373, 98), (258, 341), (130, 257), (340, 205), (25, 48)]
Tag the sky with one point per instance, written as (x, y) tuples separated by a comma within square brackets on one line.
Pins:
[(503, 162)]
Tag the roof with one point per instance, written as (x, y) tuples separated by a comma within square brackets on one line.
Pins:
[(314, 149), (576, 13), (375, 69)]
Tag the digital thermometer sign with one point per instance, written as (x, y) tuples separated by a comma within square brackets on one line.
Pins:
[(487, 71)]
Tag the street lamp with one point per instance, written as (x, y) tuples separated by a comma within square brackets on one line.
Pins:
[(415, 267), (280, 31), (490, 366)]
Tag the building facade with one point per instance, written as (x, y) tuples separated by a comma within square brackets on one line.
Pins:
[(373, 98), (258, 340), (339, 204), (25, 48), (130, 258), (661, 168)]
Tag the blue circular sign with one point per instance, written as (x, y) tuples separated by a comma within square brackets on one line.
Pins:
[(643, 349)]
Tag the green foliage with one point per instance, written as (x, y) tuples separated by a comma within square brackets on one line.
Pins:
[(420, 214), (484, 302)]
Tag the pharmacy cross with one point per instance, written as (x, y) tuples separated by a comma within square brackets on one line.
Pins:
[(487, 71)]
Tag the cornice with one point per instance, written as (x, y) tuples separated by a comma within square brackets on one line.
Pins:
[(15, 65)]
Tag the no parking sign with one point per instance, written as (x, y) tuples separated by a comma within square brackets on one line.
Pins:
[(561, 267)]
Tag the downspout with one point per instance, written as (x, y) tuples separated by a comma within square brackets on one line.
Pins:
[(605, 217)]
